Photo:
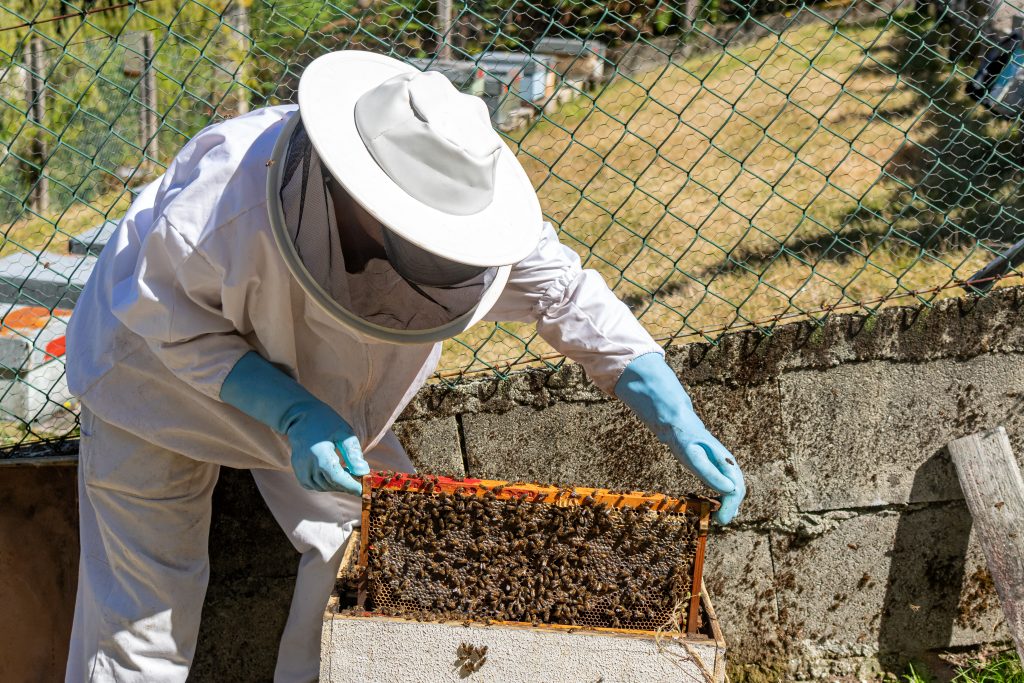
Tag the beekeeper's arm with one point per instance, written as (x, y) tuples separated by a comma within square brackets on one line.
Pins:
[(189, 311), (579, 316)]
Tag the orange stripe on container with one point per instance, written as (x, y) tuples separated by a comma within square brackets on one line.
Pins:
[(55, 349), (31, 317)]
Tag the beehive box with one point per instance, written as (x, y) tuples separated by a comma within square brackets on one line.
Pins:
[(400, 633), (375, 649), (435, 548)]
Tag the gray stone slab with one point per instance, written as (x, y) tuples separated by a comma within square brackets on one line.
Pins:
[(433, 445), (873, 434), (15, 352), (953, 328), (37, 396), (748, 421), (92, 241), (739, 579), (979, 616), (604, 444), (50, 280), (598, 444), (886, 585), (488, 395)]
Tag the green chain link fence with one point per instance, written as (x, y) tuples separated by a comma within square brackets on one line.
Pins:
[(723, 165)]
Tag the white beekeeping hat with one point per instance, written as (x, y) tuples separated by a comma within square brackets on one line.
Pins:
[(421, 157), (444, 207)]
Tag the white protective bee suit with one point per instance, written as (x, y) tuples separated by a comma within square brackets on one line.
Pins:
[(191, 281)]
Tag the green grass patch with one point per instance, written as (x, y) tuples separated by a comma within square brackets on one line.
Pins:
[(1002, 668)]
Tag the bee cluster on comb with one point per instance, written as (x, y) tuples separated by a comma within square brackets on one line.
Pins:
[(441, 549)]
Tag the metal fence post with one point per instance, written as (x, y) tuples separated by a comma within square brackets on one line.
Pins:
[(35, 95)]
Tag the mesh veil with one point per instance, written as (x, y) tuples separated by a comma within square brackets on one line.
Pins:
[(369, 288)]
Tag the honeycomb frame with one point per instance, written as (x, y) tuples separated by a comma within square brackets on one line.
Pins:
[(692, 512)]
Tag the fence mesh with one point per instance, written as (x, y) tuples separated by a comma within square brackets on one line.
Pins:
[(722, 164)]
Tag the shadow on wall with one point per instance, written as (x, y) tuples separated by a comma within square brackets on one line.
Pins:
[(921, 608), (252, 575), (39, 570)]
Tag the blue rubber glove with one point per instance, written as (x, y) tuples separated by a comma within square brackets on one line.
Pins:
[(314, 430), (653, 391)]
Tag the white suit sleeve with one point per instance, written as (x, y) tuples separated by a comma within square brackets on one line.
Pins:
[(173, 298), (575, 311)]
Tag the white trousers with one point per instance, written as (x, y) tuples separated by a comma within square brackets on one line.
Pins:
[(144, 526)]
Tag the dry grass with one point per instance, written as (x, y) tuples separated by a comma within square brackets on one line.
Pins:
[(37, 233), (743, 185)]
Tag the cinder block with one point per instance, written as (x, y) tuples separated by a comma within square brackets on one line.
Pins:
[(605, 445), (583, 444), (748, 421), (953, 328), (872, 434), (48, 280), (433, 445), (979, 616), (886, 584), (738, 576), (36, 394)]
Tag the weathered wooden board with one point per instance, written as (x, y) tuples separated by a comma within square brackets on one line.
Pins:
[(994, 490)]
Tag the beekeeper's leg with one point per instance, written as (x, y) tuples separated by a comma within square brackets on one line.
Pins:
[(318, 525), (145, 521)]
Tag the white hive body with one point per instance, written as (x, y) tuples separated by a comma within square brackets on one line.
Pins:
[(382, 649)]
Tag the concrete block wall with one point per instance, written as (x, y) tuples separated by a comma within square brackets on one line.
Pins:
[(853, 552)]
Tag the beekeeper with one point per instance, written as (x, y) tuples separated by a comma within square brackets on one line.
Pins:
[(272, 302)]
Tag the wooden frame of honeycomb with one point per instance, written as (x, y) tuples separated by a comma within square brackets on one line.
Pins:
[(439, 549)]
